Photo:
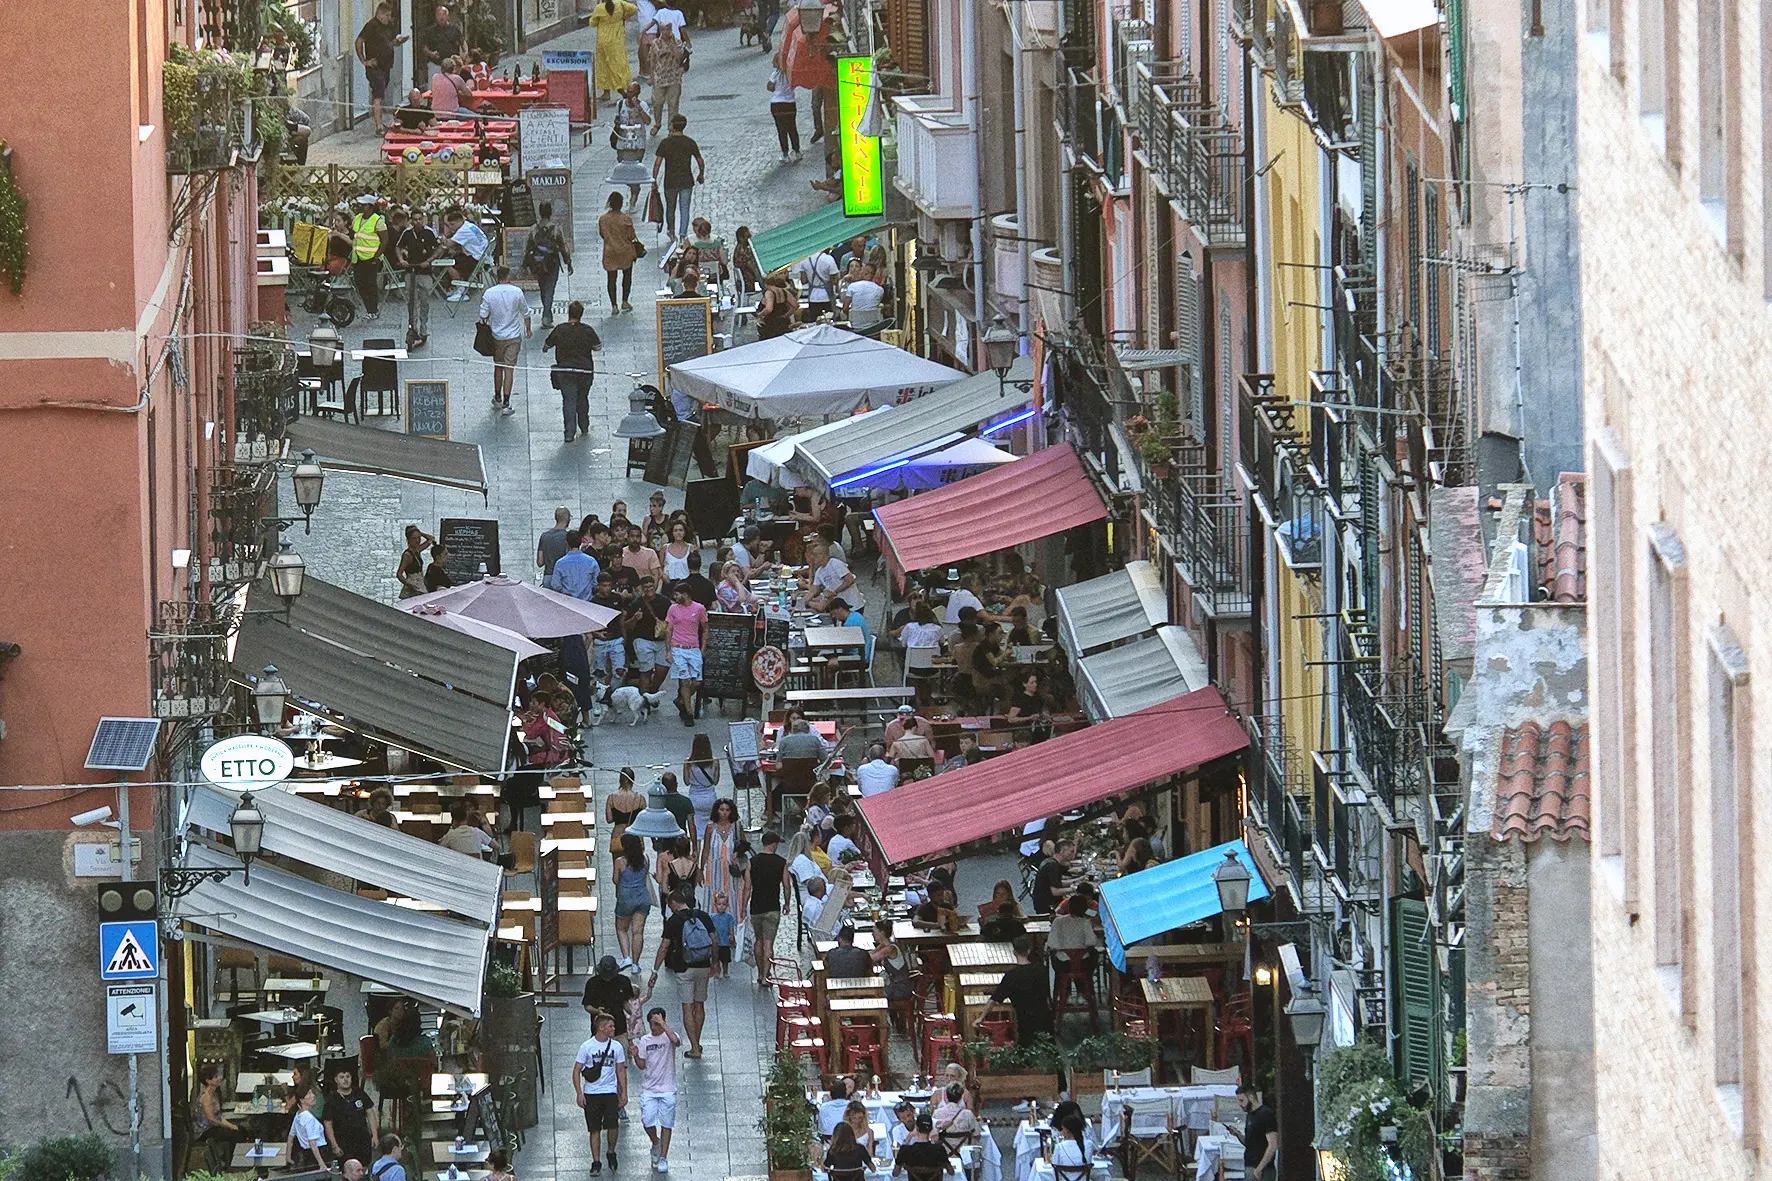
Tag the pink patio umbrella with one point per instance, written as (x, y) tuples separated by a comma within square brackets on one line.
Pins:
[(522, 607), (467, 625)]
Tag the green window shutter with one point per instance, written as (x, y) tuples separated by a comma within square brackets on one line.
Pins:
[(1455, 40), (1416, 981)]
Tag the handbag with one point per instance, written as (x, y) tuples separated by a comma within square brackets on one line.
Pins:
[(483, 342), (639, 248)]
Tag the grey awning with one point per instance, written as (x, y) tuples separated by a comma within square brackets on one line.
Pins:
[(1118, 606), (1124, 680), (315, 834), (934, 420), (436, 959), (1139, 360), (347, 448), (418, 684)]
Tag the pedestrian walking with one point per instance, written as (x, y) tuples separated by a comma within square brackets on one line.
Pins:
[(621, 248), (506, 313), (544, 256), (633, 900), (388, 1167), (785, 111), (687, 951), (376, 42), (369, 232), (416, 246), (674, 155), (701, 775), (609, 68), (600, 1085), (769, 890), (308, 1139), (628, 131), (688, 622), (445, 39), (656, 1052), (552, 545), (670, 61), (573, 343)]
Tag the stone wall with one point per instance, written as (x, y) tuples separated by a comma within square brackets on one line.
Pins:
[(1498, 1012)]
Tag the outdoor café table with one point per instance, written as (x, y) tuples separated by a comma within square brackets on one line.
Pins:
[(869, 693), (820, 638), (1212, 1151), (444, 1153), (864, 939), (879, 1109), (263, 1160), (274, 1016), (292, 1051), (463, 1174), (980, 954), (588, 819), (906, 931), (248, 1081), (445, 1084), (869, 1007), (1179, 995), (1193, 1106), (295, 984), (851, 984), (569, 844)]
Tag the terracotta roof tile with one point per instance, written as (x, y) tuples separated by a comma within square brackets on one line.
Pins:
[(1541, 788), (1559, 540)]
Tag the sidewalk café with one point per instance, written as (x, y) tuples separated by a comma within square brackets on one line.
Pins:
[(820, 371)]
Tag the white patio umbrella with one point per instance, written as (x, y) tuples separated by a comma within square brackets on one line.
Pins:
[(467, 625), (522, 607), (817, 371), (932, 469)]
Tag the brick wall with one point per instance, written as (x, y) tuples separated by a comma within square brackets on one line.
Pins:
[(1496, 1157), (1498, 1012), (1676, 360)]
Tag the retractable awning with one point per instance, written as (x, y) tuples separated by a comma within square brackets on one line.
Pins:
[(315, 834), (1121, 681), (854, 447), (806, 236), (417, 684), (1115, 607), (436, 959), (376, 452), (1167, 897), (1393, 18), (1046, 493), (770, 462), (917, 821)]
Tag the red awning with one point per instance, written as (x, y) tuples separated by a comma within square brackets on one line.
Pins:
[(1046, 493), (920, 819)]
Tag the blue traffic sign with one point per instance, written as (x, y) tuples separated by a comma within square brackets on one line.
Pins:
[(128, 951)]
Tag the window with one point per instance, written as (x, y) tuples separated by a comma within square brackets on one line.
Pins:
[(1719, 134), (1658, 75), (1435, 272), (1610, 587), (1731, 857), (1412, 227), (1670, 755)]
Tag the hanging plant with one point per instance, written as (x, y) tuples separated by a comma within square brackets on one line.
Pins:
[(14, 250), (1367, 1121)]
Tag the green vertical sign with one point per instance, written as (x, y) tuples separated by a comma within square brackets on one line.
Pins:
[(864, 188)]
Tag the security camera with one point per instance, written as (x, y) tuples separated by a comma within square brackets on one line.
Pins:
[(96, 816)]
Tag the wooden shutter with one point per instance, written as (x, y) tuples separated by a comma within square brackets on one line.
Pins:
[(1412, 223), (1188, 330), (1416, 985), (907, 33)]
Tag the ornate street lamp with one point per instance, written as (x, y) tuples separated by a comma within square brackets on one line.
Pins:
[(269, 697), (247, 828), (309, 478), (656, 821), (1232, 879), (288, 572), (1306, 1012)]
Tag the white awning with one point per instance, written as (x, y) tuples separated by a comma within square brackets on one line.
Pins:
[(1114, 607), (1393, 18), (1124, 680), (315, 834), (436, 959)]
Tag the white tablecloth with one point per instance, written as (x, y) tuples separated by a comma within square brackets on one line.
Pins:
[(1209, 1150), (1192, 1106), (1027, 1148)]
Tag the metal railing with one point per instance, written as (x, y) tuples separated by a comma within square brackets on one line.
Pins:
[(1212, 542), (1280, 794), (1194, 150), (1079, 112)]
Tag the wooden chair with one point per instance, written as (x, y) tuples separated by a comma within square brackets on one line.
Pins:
[(1147, 1133), (566, 829), (575, 931), (287, 966), (918, 670), (567, 801), (523, 845)]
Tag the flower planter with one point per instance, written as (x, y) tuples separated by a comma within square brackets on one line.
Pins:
[(790, 1174), (1016, 1085)]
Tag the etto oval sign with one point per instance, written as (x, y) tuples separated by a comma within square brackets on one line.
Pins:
[(248, 760)]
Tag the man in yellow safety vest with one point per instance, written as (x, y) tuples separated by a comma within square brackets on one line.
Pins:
[(369, 231)]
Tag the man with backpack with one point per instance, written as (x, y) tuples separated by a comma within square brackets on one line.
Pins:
[(687, 950), (544, 256), (388, 1168), (600, 1085)]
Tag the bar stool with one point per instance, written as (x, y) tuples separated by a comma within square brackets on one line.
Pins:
[(861, 1040), (941, 1031), (1074, 967), (1000, 1030)]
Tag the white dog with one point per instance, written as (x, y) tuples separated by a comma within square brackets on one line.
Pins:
[(623, 698)]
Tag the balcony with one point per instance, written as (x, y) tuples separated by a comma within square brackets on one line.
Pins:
[(240, 500), (1212, 542), (1079, 116), (266, 392), (1440, 447), (188, 652), (937, 157), (1264, 427), (204, 108), (1193, 151), (1279, 796), (1132, 47)]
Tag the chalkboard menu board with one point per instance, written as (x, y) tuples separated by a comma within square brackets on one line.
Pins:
[(486, 1114), (519, 204), (548, 877), (671, 452), (470, 541), (712, 505), (685, 332), (726, 663), (775, 631), (427, 408)]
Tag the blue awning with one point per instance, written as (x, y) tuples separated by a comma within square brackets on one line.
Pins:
[(1148, 903)]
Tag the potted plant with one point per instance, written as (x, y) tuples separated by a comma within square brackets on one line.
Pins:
[(1366, 1121), (1014, 1071), (509, 1029), (1156, 452), (787, 1124), (1100, 1052), (73, 1158)]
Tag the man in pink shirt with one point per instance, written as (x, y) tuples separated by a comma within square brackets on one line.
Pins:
[(688, 621), (642, 560), (657, 1054)]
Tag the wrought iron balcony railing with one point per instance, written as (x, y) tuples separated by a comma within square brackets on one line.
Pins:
[(1212, 541), (188, 658), (1194, 151)]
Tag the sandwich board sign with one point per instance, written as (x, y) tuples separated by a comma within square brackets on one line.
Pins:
[(129, 951)]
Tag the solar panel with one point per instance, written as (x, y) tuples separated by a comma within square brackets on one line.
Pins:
[(123, 744)]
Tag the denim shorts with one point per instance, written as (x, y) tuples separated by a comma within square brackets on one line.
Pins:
[(646, 653)]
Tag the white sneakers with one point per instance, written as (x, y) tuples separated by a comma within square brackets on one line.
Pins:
[(663, 1165), (624, 963)]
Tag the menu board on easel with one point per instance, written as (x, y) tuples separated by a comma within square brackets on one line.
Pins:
[(516, 246), (685, 332), (726, 662)]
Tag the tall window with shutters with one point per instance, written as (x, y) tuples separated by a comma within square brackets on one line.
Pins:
[(1735, 1028), (1412, 228), (1417, 1000), (1227, 402), (1188, 332), (1612, 601)]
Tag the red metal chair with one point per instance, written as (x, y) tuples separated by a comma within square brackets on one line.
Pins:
[(814, 1046), (1235, 1028), (1000, 1030), (1075, 969), (941, 1031), (861, 1040)]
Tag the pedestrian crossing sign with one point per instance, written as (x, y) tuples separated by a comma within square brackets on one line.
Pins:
[(128, 951)]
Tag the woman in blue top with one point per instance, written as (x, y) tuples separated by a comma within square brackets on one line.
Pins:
[(633, 899)]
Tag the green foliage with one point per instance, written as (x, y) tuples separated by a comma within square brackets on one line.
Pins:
[(480, 25), (179, 76), (1168, 412), (15, 250), (1043, 1057), (10, 1161), (73, 1158), (1152, 447), (503, 980), (207, 1175), (1113, 1050), (282, 24), (1357, 1098), (787, 1124)]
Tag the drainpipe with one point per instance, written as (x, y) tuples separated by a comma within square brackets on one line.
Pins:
[(1018, 76), (969, 89)]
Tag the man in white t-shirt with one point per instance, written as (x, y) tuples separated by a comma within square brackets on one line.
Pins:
[(818, 275), (812, 904), (965, 596), (673, 17), (307, 1138), (831, 579), (600, 1084), (863, 299), (876, 775), (464, 835), (843, 841), (656, 1051), (505, 311)]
